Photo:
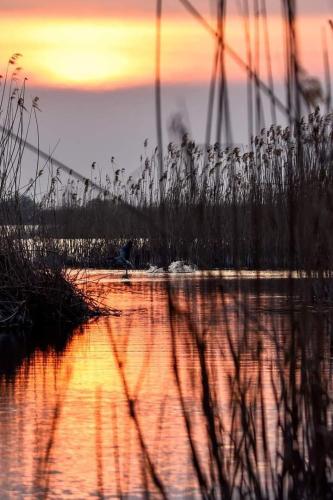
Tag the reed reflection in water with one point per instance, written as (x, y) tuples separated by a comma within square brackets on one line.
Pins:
[(204, 386)]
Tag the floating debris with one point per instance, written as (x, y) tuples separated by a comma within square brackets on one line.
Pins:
[(155, 270), (179, 266)]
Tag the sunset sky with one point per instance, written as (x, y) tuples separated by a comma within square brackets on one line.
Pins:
[(92, 64)]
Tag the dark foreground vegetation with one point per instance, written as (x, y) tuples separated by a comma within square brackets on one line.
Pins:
[(36, 295), (35, 292), (254, 390), (266, 429)]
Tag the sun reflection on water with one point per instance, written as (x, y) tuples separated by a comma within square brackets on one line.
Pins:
[(65, 422)]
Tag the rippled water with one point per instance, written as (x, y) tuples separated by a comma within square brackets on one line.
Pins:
[(65, 425)]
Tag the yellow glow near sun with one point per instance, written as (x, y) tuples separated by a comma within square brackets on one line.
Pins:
[(109, 53), (79, 53), (87, 67)]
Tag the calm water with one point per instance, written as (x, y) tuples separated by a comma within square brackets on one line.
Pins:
[(65, 425)]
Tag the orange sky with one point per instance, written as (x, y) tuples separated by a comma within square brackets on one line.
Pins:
[(112, 52), (91, 62)]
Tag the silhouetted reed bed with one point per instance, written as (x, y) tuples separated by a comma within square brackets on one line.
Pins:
[(211, 195), (35, 295), (35, 290)]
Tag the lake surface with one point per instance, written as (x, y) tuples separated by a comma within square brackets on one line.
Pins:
[(123, 409)]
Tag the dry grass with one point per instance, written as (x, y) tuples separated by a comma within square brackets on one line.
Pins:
[(34, 292)]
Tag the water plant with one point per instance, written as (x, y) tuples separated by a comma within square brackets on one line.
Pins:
[(35, 289)]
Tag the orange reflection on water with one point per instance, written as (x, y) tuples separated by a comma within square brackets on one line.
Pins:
[(65, 425)]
